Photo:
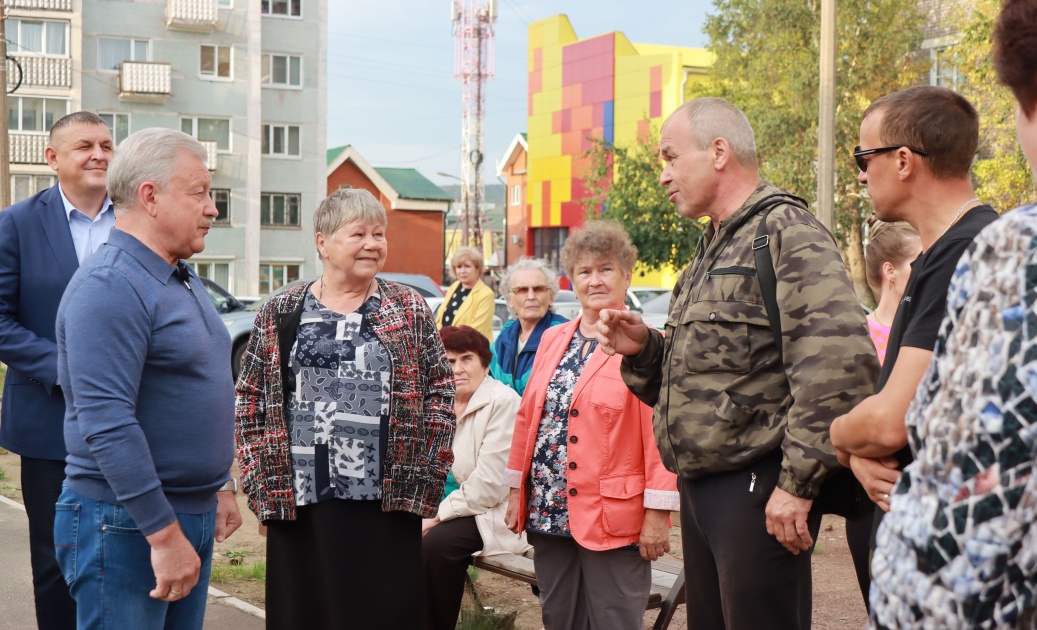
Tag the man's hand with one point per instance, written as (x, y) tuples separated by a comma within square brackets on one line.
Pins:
[(877, 476), (427, 524), (621, 332), (228, 517), (787, 521), (655, 534), (175, 562), (511, 515)]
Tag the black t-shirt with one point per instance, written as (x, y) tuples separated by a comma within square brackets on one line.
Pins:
[(917, 322)]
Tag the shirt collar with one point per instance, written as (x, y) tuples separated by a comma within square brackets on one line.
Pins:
[(155, 264), (106, 206)]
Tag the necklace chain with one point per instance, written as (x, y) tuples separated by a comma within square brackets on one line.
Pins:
[(958, 214)]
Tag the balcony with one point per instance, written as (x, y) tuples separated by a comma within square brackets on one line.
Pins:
[(210, 150), (144, 82), (27, 148), (49, 72), (40, 5), (196, 16)]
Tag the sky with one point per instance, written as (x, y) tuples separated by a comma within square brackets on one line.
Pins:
[(391, 87)]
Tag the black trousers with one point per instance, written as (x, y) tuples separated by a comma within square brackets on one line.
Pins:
[(41, 486), (342, 565), (738, 577), (446, 553), (858, 538)]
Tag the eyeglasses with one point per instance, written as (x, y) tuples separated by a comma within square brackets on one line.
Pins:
[(539, 290), (863, 164)]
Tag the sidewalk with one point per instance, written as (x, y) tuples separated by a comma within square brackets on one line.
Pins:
[(16, 607)]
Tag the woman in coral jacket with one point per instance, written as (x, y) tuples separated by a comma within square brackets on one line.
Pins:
[(588, 486)]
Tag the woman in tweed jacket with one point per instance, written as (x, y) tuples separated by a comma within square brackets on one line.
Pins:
[(345, 417)]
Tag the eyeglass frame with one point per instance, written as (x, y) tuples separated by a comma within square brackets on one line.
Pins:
[(858, 154), (538, 290)]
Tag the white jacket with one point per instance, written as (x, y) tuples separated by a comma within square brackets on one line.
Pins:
[(481, 446)]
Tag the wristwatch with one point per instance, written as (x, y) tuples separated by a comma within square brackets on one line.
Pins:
[(230, 486)]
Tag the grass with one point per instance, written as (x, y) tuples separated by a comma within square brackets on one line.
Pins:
[(476, 616), (230, 572), (9, 491), (3, 375)]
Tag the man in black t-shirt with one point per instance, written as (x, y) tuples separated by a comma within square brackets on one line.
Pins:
[(916, 150)]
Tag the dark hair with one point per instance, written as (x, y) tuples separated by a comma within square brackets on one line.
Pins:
[(461, 339), (600, 237), (1015, 51), (934, 119), (887, 243), (75, 118)]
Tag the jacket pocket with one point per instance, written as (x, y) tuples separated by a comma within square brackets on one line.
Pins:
[(622, 504)]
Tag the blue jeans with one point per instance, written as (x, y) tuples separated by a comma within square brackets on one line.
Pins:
[(106, 562)]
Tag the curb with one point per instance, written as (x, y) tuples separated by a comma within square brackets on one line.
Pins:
[(218, 595)]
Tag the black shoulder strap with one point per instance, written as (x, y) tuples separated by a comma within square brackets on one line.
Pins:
[(764, 263)]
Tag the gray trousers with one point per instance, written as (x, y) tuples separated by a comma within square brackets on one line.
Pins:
[(582, 589)]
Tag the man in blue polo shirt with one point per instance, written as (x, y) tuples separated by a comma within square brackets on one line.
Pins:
[(143, 359)]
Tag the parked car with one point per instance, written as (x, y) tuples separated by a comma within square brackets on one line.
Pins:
[(567, 304), (221, 298), (655, 311), (239, 323), (637, 296)]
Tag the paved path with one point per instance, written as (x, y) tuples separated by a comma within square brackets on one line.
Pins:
[(16, 607)]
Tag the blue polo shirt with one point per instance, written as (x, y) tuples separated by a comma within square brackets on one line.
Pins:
[(144, 363)]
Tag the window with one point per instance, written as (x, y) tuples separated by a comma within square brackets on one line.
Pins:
[(208, 129), (281, 140), (118, 125), (279, 209), (282, 70), (27, 113), (516, 195), (221, 199), (289, 8), (547, 244), (215, 61), (25, 186), (218, 272), (112, 51), (273, 276), (37, 37), (225, 4), (943, 73)]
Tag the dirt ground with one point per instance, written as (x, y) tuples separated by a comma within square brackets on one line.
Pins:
[(837, 600)]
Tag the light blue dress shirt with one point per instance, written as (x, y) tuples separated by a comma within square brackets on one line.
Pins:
[(87, 233)]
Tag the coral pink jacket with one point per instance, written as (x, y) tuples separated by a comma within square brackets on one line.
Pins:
[(614, 469)]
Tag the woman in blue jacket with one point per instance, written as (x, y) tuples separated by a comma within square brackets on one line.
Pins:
[(530, 287)]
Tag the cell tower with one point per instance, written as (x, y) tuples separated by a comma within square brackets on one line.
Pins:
[(473, 65)]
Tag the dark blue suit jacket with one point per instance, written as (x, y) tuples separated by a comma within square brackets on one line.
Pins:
[(37, 260)]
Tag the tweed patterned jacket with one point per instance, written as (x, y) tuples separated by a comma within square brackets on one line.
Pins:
[(421, 405)]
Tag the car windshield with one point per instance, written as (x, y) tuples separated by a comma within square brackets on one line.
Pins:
[(658, 305)]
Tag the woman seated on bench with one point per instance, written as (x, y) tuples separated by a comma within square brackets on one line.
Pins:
[(471, 516)]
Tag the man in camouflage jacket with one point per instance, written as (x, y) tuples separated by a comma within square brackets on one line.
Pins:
[(744, 427)]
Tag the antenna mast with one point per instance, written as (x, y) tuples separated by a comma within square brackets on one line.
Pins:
[(473, 65)]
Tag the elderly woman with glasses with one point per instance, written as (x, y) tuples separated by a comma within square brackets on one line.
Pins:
[(530, 286), (345, 417), (588, 485), (468, 302)]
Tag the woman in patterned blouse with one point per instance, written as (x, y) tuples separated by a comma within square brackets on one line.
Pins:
[(468, 302), (345, 417), (587, 482)]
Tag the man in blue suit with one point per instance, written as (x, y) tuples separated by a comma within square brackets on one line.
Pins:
[(43, 240)]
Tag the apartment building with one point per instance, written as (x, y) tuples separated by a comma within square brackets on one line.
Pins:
[(245, 77)]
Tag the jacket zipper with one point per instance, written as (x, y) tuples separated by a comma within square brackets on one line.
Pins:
[(731, 271)]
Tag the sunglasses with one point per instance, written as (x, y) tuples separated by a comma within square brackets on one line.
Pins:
[(537, 290), (863, 164)]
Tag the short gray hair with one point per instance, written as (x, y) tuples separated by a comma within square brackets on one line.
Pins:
[(711, 118), (345, 206), (529, 264), (75, 118), (148, 155)]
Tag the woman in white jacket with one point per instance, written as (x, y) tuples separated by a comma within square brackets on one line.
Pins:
[(471, 517)]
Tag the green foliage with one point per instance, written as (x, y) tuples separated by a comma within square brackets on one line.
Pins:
[(476, 616), (3, 375), (1001, 173), (625, 181), (767, 63), (231, 572)]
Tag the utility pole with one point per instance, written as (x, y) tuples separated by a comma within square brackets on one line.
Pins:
[(5, 143), (826, 119)]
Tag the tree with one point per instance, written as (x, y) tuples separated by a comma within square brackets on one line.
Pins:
[(767, 64), (623, 183), (1000, 172)]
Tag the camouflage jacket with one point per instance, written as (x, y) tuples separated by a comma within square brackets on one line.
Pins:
[(723, 397)]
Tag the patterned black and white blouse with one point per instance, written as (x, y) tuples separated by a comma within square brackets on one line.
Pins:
[(548, 499), (958, 548), (450, 308), (338, 410)]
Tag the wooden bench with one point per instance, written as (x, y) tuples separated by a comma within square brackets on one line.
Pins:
[(667, 581)]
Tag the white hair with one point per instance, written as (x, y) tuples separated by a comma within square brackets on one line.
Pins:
[(148, 155)]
